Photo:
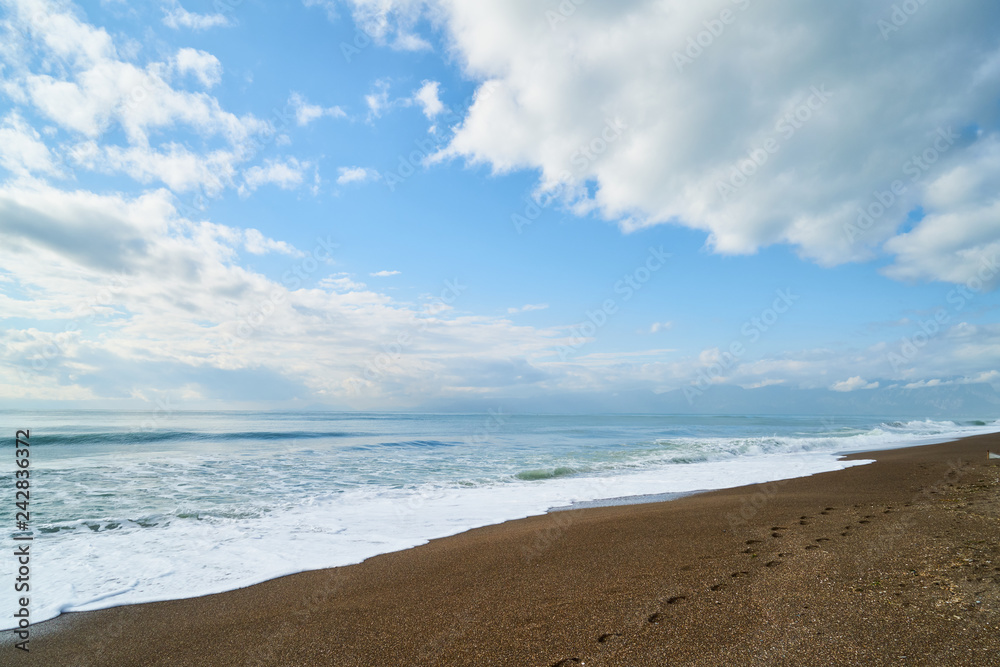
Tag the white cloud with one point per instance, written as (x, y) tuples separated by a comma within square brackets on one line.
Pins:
[(959, 239), (22, 150), (186, 294), (528, 307), (926, 383), (287, 174), (606, 107), (256, 243), (389, 22), (378, 99), (306, 113), (167, 298), (73, 74), (355, 175), (176, 17), (202, 65), (992, 377), (330, 6), (656, 327), (384, 274), (341, 282), (179, 168), (763, 383), (985, 377), (427, 98), (853, 384), (164, 297)]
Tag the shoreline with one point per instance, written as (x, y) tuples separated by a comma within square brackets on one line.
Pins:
[(604, 585), (804, 463)]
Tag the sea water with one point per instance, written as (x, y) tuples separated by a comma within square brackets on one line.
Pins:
[(139, 507)]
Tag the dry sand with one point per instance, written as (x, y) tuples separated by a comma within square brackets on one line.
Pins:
[(894, 563)]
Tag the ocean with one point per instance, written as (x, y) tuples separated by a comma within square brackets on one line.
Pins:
[(129, 507)]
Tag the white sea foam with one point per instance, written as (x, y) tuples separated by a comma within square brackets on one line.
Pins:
[(249, 528)]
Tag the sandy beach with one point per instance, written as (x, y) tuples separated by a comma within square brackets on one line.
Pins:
[(893, 563)]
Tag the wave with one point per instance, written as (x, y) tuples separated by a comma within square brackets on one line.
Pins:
[(540, 474), (425, 444), (139, 437), (98, 525), (683, 450)]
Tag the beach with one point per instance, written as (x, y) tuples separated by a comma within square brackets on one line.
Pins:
[(896, 562), (385, 332)]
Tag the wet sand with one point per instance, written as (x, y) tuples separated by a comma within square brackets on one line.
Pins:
[(893, 563)]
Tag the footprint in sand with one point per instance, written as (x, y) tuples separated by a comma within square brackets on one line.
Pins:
[(567, 662), (772, 563), (655, 618), (822, 539), (811, 546), (677, 598), (864, 521), (739, 574), (753, 542), (775, 534), (803, 523), (608, 636), (778, 528), (717, 587)]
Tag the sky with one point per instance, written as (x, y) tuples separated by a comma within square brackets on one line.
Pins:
[(396, 204)]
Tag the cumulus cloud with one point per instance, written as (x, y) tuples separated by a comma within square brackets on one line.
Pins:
[(306, 113), (391, 22), (139, 291), (72, 74), (640, 140), (384, 274), (638, 112), (175, 165), (287, 174), (22, 150), (202, 65), (958, 239), (355, 175), (257, 244), (657, 327), (136, 291), (427, 98)]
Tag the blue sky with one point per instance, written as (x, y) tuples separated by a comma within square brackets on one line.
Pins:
[(396, 203)]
